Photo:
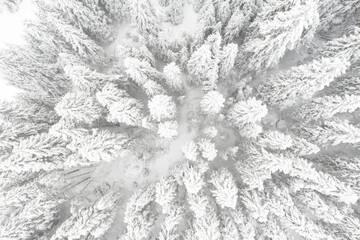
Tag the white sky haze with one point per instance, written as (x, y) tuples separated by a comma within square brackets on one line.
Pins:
[(12, 29)]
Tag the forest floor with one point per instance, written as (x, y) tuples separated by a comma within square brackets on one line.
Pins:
[(162, 163)]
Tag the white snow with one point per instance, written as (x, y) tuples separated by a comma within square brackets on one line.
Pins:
[(188, 27), (190, 19), (12, 29), (161, 164)]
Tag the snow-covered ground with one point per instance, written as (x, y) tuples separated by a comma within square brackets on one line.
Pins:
[(162, 163), (188, 25)]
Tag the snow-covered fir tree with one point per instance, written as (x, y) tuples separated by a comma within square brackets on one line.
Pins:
[(89, 222), (145, 16), (168, 129), (275, 140), (279, 27), (162, 107), (207, 149), (190, 151), (330, 132), (244, 112), (346, 47), (285, 88), (79, 107), (333, 13), (212, 102), (173, 76), (200, 64), (326, 107), (225, 192), (28, 70)]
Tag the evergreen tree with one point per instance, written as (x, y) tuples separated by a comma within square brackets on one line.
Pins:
[(326, 107), (212, 102), (190, 151), (74, 37), (250, 130), (89, 222), (311, 200), (79, 107), (330, 132), (258, 164), (176, 11), (234, 25), (126, 50), (42, 38), (161, 107), (334, 13), (227, 59), (305, 176), (139, 70), (68, 130), (210, 131), (208, 226), (194, 178), (171, 223), (127, 111), (89, 17), (225, 191), (30, 71), (346, 85), (343, 166), (110, 94), (275, 140), (168, 129), (207, 21), (279, 27), (30, 213), (285, 88), (100, 146), (38, 152), (122, 108), (223, 11), (173, 78), (197, 4), (139, 219), (207, 149), (214, 41), (144, 14), (256, 205), (347, 229), (198, 203), (153, 88), (9, 179), (87, 80), (199, 64), (302, 147), (345, 47), (243, 13), (249, 111), (166, 193), (15, 197), (228, 228), (273, 228), (290, 217), (13, 132), (23, 111)]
